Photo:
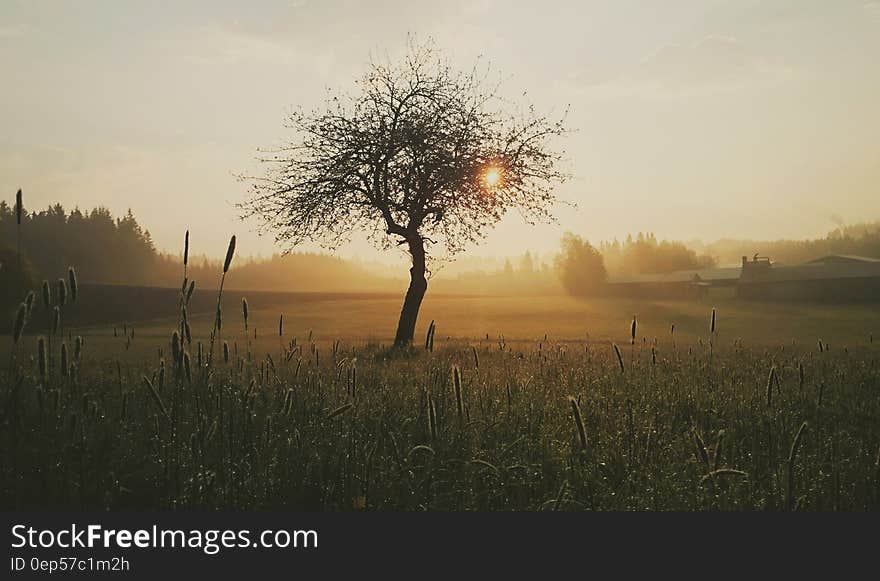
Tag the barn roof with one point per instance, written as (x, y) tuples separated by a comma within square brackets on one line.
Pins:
[(843, 259), (681, 276), (828, 267)]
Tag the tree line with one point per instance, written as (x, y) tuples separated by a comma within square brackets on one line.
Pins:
[(104, 249), (862, 239), (578, 267), (119, 251), (583, 268)]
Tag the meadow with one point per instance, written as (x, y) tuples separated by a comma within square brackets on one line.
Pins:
[(528, 403)]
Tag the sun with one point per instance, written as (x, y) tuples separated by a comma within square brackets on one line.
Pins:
[(492, 176)]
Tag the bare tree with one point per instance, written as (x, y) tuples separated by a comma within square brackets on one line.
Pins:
[(423, 156)]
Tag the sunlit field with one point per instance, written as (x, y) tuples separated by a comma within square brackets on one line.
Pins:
[(359, 318), (520, 404)]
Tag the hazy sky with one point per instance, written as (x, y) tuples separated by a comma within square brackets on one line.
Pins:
[(694, 118)]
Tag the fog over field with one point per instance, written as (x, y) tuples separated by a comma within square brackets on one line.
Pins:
[(693, 119)]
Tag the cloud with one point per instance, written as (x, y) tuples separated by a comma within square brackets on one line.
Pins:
[(712, 60), (715, 64), (477, 7), (872, 10), (216, 45), (11, 30)]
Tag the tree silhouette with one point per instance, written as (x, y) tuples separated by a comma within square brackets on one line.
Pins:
[(103, 248), (580, 266), (645, 255), (423, 156)]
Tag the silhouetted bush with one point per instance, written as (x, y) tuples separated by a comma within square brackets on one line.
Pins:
[(580, 266)]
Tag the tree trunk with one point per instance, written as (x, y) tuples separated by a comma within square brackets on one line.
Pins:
[(418, 284)]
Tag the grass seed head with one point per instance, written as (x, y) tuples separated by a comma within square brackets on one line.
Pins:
[(230, 251), (186, 248), (175, 346), (632, 331), (62, 292), (74, 287), (65, 364), (47, 295), (42, 361), (20, 320), (18, 207)]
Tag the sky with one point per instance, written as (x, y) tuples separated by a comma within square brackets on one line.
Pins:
[(692, 119)]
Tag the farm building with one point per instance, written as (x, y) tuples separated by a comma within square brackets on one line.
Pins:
[(681, 284), (830, 278)]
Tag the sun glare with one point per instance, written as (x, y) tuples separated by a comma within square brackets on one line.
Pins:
[(493, 176)]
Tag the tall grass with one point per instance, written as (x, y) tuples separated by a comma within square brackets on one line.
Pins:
[(301, 433), (218, 319), (578, 422), (339, 425), (20, 320), (19, 210)]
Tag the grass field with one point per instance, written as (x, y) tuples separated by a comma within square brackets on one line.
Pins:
[(780, 411), (372, 317)]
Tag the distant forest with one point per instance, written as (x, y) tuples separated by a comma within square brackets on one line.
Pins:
[(109, 250), (580, 268), (861, 239), (118, 250), (644, 254)]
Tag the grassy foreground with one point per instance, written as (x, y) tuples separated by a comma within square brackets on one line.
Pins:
[(308, 423)]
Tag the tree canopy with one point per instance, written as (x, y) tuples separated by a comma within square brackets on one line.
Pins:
[(580, 266), (420, 150), (644, 254), (102, 247)]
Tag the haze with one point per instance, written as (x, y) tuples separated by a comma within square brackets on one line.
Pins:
[(693, 118)]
